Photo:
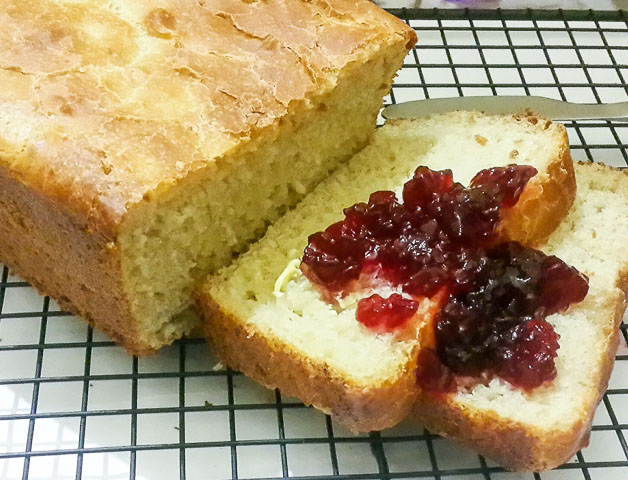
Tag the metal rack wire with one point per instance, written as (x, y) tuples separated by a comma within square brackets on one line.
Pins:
[(73, 405)]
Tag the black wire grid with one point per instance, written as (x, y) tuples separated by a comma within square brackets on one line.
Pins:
[(73, 405)]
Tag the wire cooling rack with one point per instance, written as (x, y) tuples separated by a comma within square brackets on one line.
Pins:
[(74, 405)]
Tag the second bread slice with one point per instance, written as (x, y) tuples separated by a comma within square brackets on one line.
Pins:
[(545, 427), (266, 320)]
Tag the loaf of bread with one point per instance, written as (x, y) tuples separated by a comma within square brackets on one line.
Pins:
[(265, 319), (143, 143), (545, 427)]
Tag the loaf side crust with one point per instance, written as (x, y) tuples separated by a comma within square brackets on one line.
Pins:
[(51, 249), (275, 365)]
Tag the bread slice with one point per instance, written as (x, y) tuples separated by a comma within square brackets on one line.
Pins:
[(546, 427), (143, 143), (275, 327)]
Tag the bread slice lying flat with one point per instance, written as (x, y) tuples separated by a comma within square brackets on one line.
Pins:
[(546, 427), (275, 327)]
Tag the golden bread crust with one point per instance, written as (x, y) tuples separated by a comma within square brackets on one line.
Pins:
[(275, 365), (547, 199), (513, 446), (107, 104)]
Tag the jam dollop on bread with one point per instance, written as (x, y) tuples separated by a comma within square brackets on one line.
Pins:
[(442, 242)]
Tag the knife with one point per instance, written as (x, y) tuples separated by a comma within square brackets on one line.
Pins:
[(547, 107)]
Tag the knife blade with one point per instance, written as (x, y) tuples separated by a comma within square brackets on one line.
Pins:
[(547, 107)]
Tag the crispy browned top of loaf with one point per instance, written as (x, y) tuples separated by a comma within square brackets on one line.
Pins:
[(103, 102)]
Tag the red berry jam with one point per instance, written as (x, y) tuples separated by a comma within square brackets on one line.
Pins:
[(443, 238), (423, 236), (385, 314), (494, 320)]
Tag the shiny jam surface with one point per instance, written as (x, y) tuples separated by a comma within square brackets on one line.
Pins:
[(385, 314), (443, 238)]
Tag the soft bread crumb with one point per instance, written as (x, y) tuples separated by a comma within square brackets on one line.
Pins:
[(218, 366), (315, 328), (185, 237)]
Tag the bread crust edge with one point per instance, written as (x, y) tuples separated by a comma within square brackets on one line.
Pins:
[(275, 364), (548, 197)]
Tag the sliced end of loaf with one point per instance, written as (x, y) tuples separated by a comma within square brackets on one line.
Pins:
[(545, 428), (296, 343), (173, 242)]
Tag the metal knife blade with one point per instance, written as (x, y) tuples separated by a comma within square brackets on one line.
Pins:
[(547, 107)]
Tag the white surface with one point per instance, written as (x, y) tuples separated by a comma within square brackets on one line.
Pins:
[(109, 415)]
